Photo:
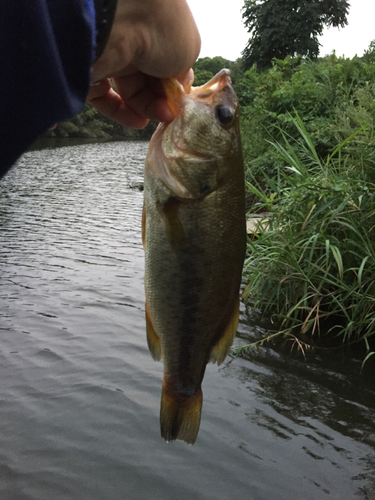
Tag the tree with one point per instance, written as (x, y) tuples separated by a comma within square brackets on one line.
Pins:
[(206, 67), (369, 55), (280, 28)]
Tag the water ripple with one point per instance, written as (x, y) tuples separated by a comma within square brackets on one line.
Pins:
[(80, 394)]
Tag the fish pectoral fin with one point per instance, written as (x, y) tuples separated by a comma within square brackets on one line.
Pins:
[(180, 414), (153, 340), (221, 348), (173, 226)]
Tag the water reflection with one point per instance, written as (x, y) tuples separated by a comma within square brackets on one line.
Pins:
[(80, 394)]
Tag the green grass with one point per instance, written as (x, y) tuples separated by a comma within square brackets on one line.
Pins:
[(313, 263)]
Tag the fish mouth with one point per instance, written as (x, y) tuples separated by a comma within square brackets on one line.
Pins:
[(175, 92), (216, 84)]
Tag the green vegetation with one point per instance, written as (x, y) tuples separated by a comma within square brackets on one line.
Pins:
[(91, 124), (207, 67), (333, 96), (279, 28), (308, 131)]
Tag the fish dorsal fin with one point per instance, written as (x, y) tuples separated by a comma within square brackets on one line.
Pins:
[(222, 346), (153, 340)]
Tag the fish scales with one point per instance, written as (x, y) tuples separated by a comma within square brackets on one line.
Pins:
[(194, 236)]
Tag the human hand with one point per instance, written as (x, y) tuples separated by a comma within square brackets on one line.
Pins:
[(150, 40)]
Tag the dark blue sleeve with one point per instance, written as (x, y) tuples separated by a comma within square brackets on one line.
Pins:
[(46, 50)]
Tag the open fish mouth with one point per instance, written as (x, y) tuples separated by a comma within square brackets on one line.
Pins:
[(216, 84), (217, 95), (175, 92)]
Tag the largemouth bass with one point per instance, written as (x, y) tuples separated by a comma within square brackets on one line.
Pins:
[(194, 236)]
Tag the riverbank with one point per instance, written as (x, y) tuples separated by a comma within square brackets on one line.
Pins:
[(90, 124), (308, 132)]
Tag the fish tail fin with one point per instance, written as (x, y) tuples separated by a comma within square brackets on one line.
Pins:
[(180, 415)]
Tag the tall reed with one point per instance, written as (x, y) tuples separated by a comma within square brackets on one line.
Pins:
[(313, 258)]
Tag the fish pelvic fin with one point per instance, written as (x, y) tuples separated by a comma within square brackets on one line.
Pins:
[(180, 414), (153, 340), (221, 348)]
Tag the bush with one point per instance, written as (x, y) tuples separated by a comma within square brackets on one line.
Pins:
[(314, 259), (334, 97), (89, 123)]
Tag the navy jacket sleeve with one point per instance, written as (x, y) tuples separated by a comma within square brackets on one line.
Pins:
[(46, 50)]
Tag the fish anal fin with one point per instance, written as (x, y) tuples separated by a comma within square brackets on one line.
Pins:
[(173, 225), (144, 225), (222, 346), (153, 340), (180, 414)]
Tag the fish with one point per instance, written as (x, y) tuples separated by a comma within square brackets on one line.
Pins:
[(194, 237)]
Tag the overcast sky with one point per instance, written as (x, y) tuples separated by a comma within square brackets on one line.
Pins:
[(223, 33)]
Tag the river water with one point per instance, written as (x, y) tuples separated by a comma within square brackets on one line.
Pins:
[(80, 393)]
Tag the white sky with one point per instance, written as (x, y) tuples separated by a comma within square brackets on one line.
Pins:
[(223, 33)]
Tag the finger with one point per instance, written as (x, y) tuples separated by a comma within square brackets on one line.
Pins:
[(145, 96), (108, 102), (99, 89), (186, 78)]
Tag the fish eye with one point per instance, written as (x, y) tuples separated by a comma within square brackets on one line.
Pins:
[(224, 114)]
